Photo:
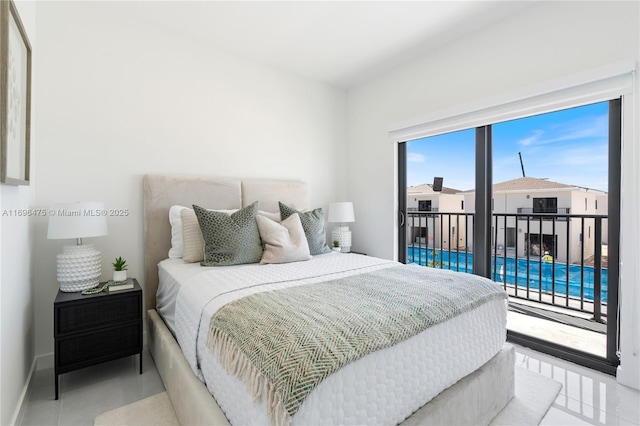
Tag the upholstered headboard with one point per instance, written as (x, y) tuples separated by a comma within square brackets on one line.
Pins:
[(162, 191)]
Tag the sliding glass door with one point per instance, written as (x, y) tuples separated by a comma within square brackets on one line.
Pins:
[(539, 215)]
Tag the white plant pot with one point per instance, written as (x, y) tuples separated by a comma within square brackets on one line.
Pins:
[(119, 276), (338, 249)]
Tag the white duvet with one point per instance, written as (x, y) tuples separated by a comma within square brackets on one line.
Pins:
[(384, 387)]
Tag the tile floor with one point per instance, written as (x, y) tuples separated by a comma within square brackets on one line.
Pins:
[(88, 392), (587, 397)]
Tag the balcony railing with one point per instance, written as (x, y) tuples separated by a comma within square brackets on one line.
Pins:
[(554, 259), (417, 209), (559, 214), (559, 210)]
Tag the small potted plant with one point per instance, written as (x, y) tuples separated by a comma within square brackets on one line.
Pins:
[(119, 270), (336, 245)]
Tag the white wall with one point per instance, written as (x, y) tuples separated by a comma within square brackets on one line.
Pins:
[(120, 98), (548, 41), (16, 281)]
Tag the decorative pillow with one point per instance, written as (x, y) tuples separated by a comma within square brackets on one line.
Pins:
[(230, 239), (176, 250), (284, 242), (177, 230), (273, 216), (193, 243), (313, 225)]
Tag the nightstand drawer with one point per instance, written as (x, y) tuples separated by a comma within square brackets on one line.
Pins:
[(95, 314), (104, 345)]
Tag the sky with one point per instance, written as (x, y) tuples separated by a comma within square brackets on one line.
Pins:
[(568, 146)]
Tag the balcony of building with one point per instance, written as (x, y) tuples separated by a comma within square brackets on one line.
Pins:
[(552, 265)]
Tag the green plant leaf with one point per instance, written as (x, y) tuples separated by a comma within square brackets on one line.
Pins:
[(120, 264)]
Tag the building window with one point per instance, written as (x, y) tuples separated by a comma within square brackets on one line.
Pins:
[(545, 205), (462, 205), (424, 205)]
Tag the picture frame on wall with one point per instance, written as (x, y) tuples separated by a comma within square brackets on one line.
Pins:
[(15, 97)]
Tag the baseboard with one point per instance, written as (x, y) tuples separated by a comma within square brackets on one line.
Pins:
[(630, 380), (19, 410), (44, 361)]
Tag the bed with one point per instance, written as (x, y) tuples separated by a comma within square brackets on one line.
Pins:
[(409, 382)]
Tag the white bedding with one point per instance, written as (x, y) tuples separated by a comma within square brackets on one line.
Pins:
[(383, 387)]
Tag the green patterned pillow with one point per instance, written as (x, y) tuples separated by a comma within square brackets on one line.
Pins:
[(230, 239), (313, 225)]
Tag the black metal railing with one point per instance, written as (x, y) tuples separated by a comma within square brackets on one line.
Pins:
[(554, 259), (558, 214), (559, 210), (417, 209)]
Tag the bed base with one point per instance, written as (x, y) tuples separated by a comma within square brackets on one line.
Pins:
[(474, 400)]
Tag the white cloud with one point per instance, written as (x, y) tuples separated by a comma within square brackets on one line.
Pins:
[(414, 157), (578, 129), (531, 140)]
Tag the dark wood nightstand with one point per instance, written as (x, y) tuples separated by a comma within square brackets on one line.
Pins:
[(90, 329)]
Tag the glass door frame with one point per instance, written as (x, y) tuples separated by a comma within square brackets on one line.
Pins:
[(482, 238)]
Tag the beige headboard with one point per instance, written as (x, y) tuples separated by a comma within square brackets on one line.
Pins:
[(163, 191)]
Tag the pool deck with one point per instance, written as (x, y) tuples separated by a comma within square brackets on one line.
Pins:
[(582, 333), (555, 302)]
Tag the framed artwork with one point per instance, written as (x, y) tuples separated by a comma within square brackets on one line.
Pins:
[(15, 97)]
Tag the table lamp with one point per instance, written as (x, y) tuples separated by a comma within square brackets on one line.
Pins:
[(343, 213), (80, 265)]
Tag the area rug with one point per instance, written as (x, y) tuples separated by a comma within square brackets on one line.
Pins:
[(534, 395), (155, 410)]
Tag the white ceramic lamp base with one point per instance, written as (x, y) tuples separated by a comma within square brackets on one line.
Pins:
[(79, 268), (343, 236)]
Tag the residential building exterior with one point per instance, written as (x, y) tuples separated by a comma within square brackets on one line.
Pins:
[(564, 237), (443, 229)]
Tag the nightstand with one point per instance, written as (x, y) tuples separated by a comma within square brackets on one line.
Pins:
[(90, 329)]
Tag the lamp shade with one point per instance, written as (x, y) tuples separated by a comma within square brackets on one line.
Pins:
[(341, 212), (76, 220)]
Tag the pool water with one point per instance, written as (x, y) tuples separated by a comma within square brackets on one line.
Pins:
[(463, 262)]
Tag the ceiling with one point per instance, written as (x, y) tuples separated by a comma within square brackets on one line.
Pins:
[(342, 43)]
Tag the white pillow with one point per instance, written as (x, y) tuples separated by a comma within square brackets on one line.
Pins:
[(193, 242), (284, 242), (178, 237), (273, 216), (177, 240), (176, 250)]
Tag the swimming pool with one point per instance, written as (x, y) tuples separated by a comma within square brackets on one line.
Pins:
[(463, 262)]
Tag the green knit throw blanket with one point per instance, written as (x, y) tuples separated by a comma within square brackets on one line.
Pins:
[(283, 343)]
